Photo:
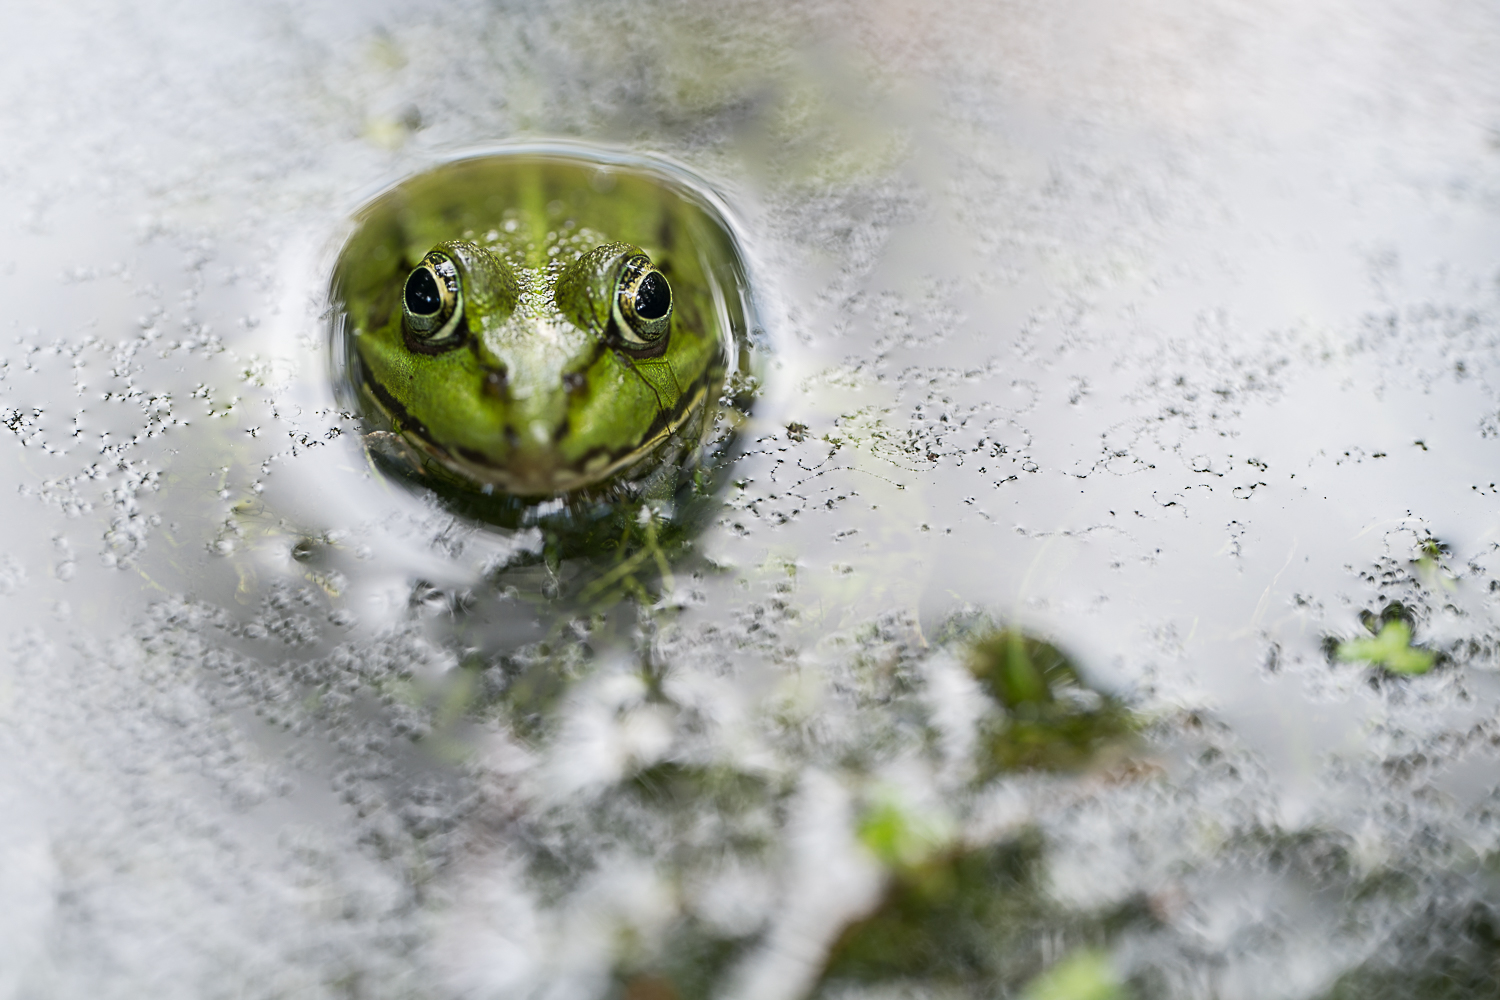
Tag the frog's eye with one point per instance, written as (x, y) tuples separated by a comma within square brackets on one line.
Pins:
[(617, 293), (432, 304), (643, 302)]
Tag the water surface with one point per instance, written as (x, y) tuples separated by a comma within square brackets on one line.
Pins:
[(1166, 332)]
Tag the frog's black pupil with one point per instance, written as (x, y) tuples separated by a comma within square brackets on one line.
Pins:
[(653, 298), (422, 295)]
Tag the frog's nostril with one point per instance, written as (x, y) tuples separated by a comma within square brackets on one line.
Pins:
[(574, 382), (495, 383)]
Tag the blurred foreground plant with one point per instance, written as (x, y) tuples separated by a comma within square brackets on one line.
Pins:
[(1050, 719)]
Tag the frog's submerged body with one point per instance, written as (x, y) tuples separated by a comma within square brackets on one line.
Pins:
[(541, 323)]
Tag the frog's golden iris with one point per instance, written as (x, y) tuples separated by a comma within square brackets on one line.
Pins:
[(541, 322)]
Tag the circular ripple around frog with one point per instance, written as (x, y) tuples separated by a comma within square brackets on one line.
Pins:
[(545, 332)]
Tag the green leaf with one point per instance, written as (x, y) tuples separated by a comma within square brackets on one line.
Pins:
[(1391, 649), (1083, 975)]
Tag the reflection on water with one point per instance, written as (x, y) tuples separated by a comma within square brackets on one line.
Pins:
[(1124, 442)]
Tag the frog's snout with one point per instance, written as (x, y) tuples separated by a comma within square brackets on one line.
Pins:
[(534, 416)]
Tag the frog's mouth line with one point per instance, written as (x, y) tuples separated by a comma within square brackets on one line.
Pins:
[(480, 469)]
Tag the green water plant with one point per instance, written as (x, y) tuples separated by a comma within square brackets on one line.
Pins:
[(1049, 718), (1087, 974), (1391, 648)]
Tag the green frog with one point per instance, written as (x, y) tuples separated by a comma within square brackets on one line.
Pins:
[(544, 323)]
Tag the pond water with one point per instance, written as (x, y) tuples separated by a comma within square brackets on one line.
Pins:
[(1165, 335)]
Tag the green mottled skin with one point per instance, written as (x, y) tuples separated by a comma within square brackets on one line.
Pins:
[(541, 397)]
